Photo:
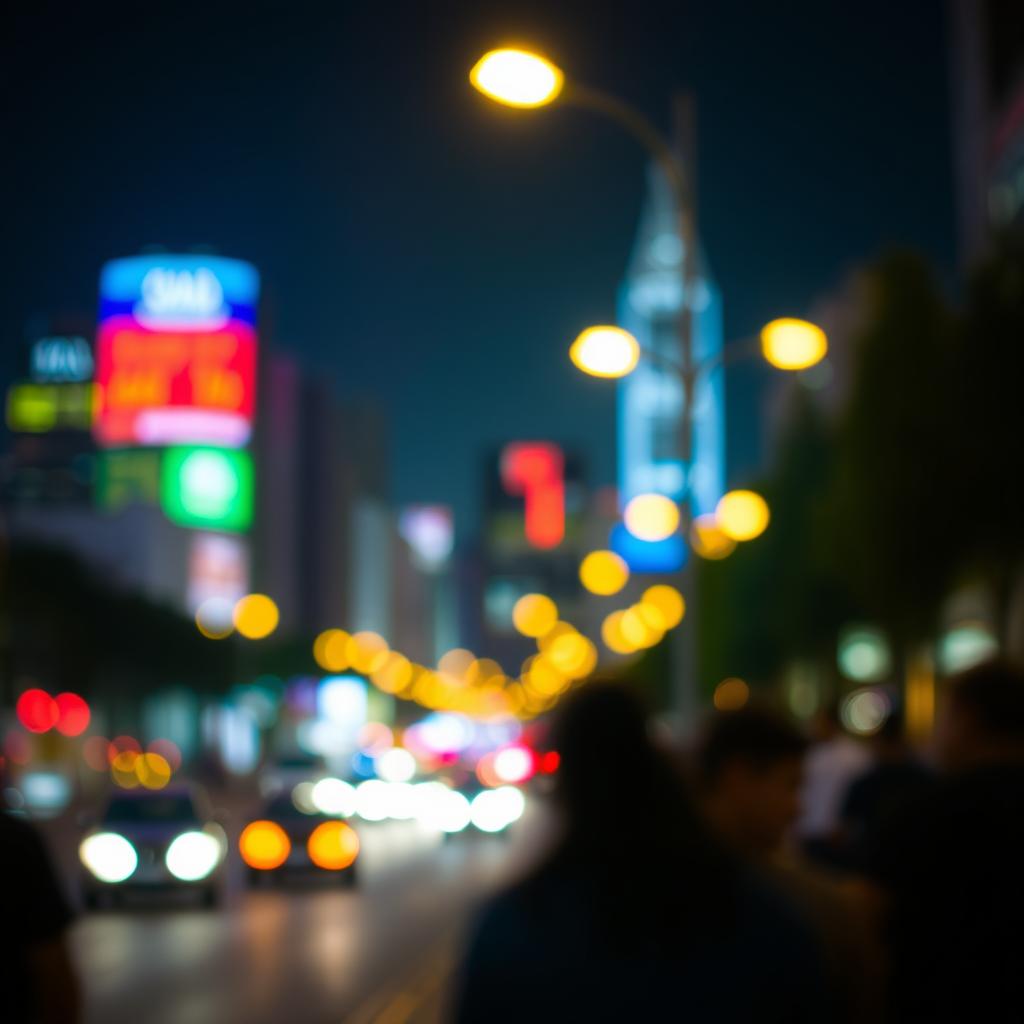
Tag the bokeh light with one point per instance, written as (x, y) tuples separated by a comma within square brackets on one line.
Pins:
[(604, 573), (742, 515), (731, 694), (335, 797), (864, 711), (396, 765), (394, 674), (863, 654), (72, 714), (215, 618), (668, 601), (612, 635), (122, 769), (516, 78), (37, 711), (709, 540), (256, 616), (108, 856), (94, 753), (605, 351), (264, 845), (791, 344), (330, 649), (651, 517), (534, 615), (168, 751), (152, 770), (192, 856), (333, 846), (367, 651), (494, 810)]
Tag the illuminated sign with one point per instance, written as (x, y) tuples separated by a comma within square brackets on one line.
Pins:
[(211, 487), (176, 352), (218, 567), (39, 408), (61, 360), (536, 471), (179, 293), (169, 387), (646, 556)]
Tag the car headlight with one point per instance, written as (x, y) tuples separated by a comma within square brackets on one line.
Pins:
[(192, 856), (108, 856)]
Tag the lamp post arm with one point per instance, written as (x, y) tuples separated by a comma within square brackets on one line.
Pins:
[(633, 121)]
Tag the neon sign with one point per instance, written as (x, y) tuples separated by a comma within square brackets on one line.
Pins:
[(176, 352), (211, 487), (536, 470), (61, 360)]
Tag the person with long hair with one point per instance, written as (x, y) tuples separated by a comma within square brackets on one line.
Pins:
[(635, 913)]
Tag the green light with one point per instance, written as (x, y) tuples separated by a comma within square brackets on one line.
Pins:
[(208, 487)]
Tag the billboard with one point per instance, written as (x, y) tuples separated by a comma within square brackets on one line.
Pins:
[(176, 352)]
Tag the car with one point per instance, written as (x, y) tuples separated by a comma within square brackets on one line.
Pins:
[(153, 839), (285, 841)]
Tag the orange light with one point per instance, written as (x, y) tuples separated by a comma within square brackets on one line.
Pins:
[(264, 845), (536, 470), (333, 846)]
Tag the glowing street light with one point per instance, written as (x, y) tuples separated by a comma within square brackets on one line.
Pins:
[(742, 515), (790, 344), (517, 78), (605, 351)]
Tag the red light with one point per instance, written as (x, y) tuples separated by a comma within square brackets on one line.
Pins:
[(122, 745), (72, 714), (536, 470), (168, 751), (37, 711), (549, 762)]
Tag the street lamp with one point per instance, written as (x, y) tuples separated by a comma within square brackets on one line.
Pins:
[(605, 352), (517, 78), (523, 79)]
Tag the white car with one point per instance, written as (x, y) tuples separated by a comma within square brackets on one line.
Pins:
[(153, 839)]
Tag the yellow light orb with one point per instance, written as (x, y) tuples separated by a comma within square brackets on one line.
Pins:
[(517, 78), (613, 636), (152, 770), (544, 678), (569, 653), (709, 540), (256, 616), (330, 649), (534, 614), (604, 573), (264, 845), (651, 517), (731, 694), (367, 651), (605, 351), (668, 601), (791, 344), (394, 674), (333, 845), (456, 664), (742, 515)]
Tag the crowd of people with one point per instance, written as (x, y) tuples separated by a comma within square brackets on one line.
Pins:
[(766, 875)]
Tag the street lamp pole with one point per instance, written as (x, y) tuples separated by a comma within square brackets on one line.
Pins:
[(674, 159)]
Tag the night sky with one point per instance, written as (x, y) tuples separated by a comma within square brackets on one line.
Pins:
[(439, 253)]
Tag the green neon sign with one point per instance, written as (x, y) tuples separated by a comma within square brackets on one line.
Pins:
[(207, 487)]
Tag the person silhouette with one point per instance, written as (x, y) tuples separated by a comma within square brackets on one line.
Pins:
[(635, 913)]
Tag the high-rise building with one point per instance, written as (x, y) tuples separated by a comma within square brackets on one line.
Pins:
[(651, 400)]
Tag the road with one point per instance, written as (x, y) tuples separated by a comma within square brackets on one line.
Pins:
[(383, 952)]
